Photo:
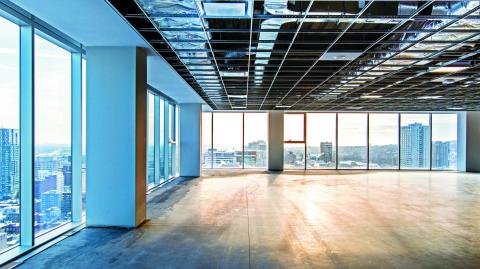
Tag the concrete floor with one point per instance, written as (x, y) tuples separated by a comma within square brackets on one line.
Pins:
[(242, 219)]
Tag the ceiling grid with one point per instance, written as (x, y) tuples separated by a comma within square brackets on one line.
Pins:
[(318, 55)]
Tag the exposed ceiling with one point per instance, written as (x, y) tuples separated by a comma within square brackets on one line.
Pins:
[(318, 55)]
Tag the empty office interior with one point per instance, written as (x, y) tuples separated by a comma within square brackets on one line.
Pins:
[(239, 134)]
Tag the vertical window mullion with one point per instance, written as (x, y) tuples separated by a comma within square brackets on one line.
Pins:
[(26, 135)]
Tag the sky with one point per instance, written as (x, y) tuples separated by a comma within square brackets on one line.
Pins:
[(52, 87)]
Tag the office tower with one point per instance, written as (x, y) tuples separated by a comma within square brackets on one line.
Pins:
[(9, 163), (67, 175), (414, 145), (66, 205), (50, 199), (441, 154), (326, 151)]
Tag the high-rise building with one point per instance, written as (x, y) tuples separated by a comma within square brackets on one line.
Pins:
[(66, 205), (326, 151), (441, 154), (9, 163), (50, 199), (414, 143), (44, 184), (67, 175)]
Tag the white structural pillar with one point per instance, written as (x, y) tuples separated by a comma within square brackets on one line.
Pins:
[(471, 121), (190, 137), (275, 141), (116, 136)]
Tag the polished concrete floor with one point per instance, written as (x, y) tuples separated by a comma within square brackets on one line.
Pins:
[(337, 219)]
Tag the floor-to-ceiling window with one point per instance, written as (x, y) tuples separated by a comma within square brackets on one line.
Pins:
[(53, 161), (352, 141), (234, 140), (207, 140), (227, 140), (383, 140), (9, 134), (42, 102), (444, 141), (162, 142), (151, 140), (321, 140), (255, 140), (162, 135), (84, 135), (294, 141), (415, 141)]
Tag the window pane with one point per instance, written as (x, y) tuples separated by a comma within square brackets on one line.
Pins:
[(53, 170), (9, 135), (84, 134), (256, 133), (383, 141), (227, 140), (293, 127), (162, 141), (294, 156), (352, 141), (444, 141), (172, 149), (151, 141), (415, 141), (321, 140), (206, 140)]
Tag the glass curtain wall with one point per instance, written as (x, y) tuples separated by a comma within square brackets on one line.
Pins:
[(352, 141), (53, 159), (227, 148), (444, 141), (36, 121), (151, 140), (294, 141), (415, 141), (321, 140), (207, 160), (9, 134), (234, 140), (383, 140), (162, 134), (255, 140)]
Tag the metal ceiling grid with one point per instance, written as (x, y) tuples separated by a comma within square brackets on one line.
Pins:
[(316, 54)]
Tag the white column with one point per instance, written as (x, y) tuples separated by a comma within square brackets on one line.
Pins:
[(190, 134), (116, 131), (275, 141)]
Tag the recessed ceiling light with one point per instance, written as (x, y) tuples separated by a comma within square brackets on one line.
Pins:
[(449, 79), (233, 74), (224, 9), (340, 56), (239, 107), (237, 96), (371, 96), (456, 108), (283, 106), (447, 69), (430, 97), (354, 107)]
